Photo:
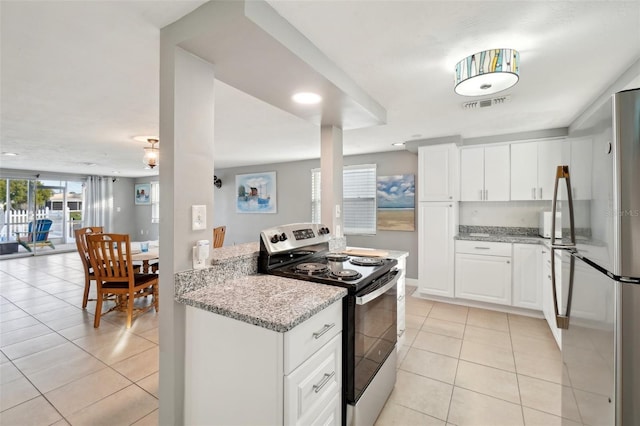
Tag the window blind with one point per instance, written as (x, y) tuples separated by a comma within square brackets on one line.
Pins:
[(155, 202), (358, 198)]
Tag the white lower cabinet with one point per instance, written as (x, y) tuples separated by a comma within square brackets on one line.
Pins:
[(483, 271), (527, 276), (241, 374), (547, 293)]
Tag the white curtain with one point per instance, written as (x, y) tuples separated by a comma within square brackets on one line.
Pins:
[(98, 202)]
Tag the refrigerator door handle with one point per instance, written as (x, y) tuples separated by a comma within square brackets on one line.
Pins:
[(562, 172), (562, 321)]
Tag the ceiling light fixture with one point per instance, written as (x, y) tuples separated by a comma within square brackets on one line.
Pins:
[(487, 72), (9, 154), (307, 98), (398, 144), (151, 154)]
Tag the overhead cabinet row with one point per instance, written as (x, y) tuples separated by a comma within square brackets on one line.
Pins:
[(507, 172)]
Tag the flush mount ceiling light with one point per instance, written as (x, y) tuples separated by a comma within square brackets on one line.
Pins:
[(151, 154), (9, 154), (307, 98), (487, 72)]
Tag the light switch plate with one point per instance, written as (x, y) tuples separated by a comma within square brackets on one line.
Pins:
[(198, 217)]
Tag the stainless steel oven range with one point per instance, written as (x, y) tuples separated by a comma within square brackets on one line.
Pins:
[(301, 251)]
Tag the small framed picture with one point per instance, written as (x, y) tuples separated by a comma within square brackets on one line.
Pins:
[(143, 194)]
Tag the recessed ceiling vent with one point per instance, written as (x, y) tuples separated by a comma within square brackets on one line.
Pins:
[(486, 103)]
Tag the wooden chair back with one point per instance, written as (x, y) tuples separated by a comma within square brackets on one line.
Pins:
[(83, 251), (218, 236), (110, 256)]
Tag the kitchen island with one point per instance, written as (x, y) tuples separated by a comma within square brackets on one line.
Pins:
[(260, 349)]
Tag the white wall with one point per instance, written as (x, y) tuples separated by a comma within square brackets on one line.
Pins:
[(294, 202)]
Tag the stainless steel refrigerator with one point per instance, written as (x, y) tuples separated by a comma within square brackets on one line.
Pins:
[(596, 278)]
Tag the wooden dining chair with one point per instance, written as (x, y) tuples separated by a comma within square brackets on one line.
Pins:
[(110, 256), (218, 236), (83, 251)]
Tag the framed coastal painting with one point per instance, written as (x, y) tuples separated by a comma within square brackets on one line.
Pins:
[(396, 203), (143, 194), (256, 193)]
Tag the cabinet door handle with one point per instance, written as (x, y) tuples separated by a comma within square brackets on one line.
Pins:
[(482, 248), (450, 197), (486, 195), (481, 195), (533, 193), (540, 193), (324, 329), (325, 379)]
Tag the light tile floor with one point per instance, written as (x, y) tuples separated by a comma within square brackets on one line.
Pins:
[(55, 368), (466, 366), (458, 366)]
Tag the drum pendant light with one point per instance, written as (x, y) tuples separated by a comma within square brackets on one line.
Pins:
[(487, 72)]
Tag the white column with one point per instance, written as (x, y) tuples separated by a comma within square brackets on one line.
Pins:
[(331, 182), (186, 179)]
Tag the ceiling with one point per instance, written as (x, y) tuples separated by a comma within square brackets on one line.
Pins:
[(80, 79)]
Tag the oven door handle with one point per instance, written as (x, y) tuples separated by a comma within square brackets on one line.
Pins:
[(368, 297)]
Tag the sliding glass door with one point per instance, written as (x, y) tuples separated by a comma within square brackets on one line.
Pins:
[(26, 202)]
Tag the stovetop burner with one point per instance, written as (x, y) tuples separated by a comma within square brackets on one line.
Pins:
[(367, 261), (312, 268), (346, 275), (336, 257)]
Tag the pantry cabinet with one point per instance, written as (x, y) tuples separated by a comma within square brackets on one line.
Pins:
[(484, 173), (534, 167), (438, 226), (438, 172)]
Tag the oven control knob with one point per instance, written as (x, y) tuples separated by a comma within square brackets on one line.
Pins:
[(282, 237), (275, 239), (326, 231)]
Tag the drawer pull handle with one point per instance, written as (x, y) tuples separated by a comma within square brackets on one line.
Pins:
[(317, 388), (482, 248), (327, 327)]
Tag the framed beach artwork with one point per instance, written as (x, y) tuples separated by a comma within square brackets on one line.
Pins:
[(396, 203), (256, 193), (143, 194)]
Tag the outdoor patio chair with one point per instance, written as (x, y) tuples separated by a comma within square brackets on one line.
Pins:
[(38, 237)]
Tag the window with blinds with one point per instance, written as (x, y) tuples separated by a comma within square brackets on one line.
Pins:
[(155, 202), (358, 198)]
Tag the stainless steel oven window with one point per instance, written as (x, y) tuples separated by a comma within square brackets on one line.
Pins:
[(375, 335)]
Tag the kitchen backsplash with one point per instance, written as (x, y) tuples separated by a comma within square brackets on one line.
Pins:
[(515, 214)]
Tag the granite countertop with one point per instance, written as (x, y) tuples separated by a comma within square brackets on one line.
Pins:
[(501, 238), (268, 301), (225, 254)]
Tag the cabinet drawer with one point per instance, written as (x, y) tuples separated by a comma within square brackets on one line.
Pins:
[(314, 384), (311, 335), (487, 248)]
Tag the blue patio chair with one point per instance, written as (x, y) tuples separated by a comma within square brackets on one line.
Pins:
[(39, 237)]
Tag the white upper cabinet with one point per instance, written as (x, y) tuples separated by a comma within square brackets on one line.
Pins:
[(484, 173), (533, 169), (580, 168), (438, 172)]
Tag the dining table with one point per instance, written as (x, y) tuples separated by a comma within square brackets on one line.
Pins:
[(146, 257)]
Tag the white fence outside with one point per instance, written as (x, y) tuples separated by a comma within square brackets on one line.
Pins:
[(18, 221)]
